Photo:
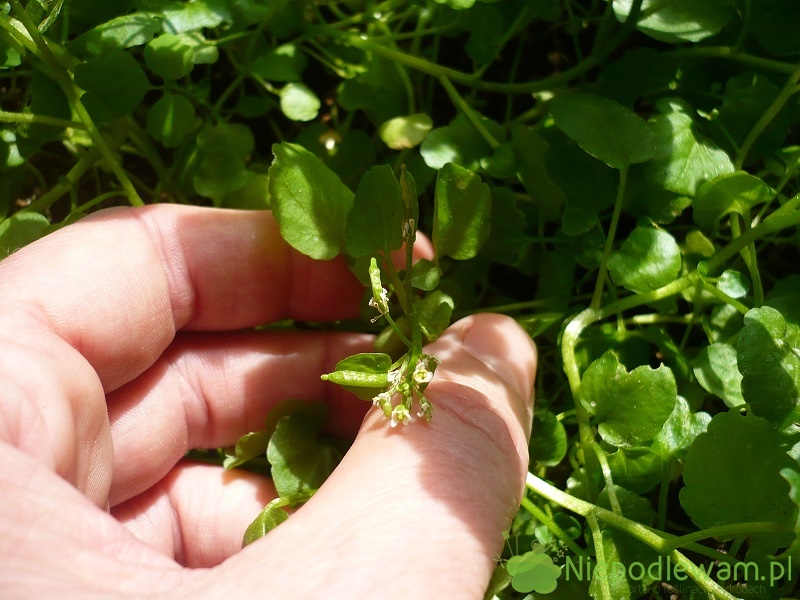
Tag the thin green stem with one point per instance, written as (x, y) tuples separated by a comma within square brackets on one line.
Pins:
[(15, 117), (789, 89), (731, 53), (656, 541), (465, 108), (600, 555), (728, 531), (720, 295), (68, 182), (777, 221), (71, 91), (609, 245), (431, 68), (606, 469), (545, 519)]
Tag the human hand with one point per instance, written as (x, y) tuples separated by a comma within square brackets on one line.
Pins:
[(119, 351)]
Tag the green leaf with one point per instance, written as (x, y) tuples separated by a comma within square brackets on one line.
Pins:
[(684, 158), (405, 132), (222, 156), (679, 432), (679, 20), (507, 242), (169, 57), (171, 119), (180, 17), (604, 128), (459, 143), (309, 201), (733, 193), (637, 469), (376, 89), (298, 102), (266, 521), (250, 446), (365, 374), (283, 63), (375, 223), (630, 408), (122, 32), (425, 275), (747, 98), (733, 283), (434, 313), (48, 99), (732, 475), (462, 206), (20, 230), (301, 461), (115, 85), (770, 367), (774, 26), (548, 445), (535, 170), (647, 260), (716, 370)]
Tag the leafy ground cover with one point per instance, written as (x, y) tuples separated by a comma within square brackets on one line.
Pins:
[(620, 176)]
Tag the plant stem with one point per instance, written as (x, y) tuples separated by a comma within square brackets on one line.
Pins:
[(729, 53), (644, 534), (71, 91), (87, 161), (545, 519), (425, 66), (612, 230), (727, 531), (15, 117), (789, 89), (719, 294), (465, 108)]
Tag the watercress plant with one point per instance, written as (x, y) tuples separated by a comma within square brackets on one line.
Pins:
[(620, 176)]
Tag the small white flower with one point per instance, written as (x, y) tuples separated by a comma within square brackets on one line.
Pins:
[(382, 399), (401, 414), (381, 303), (421, 373)]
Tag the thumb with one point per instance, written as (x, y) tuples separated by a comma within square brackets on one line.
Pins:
[(417, 510)]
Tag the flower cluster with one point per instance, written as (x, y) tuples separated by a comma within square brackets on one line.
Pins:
[(408, 383)]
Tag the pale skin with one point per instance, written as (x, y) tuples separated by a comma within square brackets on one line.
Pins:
[(123, 344)]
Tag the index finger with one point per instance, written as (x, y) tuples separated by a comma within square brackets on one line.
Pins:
[(118, 285)]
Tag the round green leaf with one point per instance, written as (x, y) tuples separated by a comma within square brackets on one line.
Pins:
[(647, 260), (20, 230), (604, 128), (736, 192), (769, 361), (284, 63), (679, 20), (171, 119), (716, 371), (299, 103), (169, 57), (222, 159), (630, 408), (405, 132), (732, 475), (115, 85)]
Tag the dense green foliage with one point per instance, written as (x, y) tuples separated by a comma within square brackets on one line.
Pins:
[(620, 176)]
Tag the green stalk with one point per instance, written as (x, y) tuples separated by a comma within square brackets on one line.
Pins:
[(465, 108), (15, 117), (727, 531), (71, 91), (67, 183), (636, 530), (720, 295), (431, 68), (612, 230), (730, 53), (545, 519), (777, 221)]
